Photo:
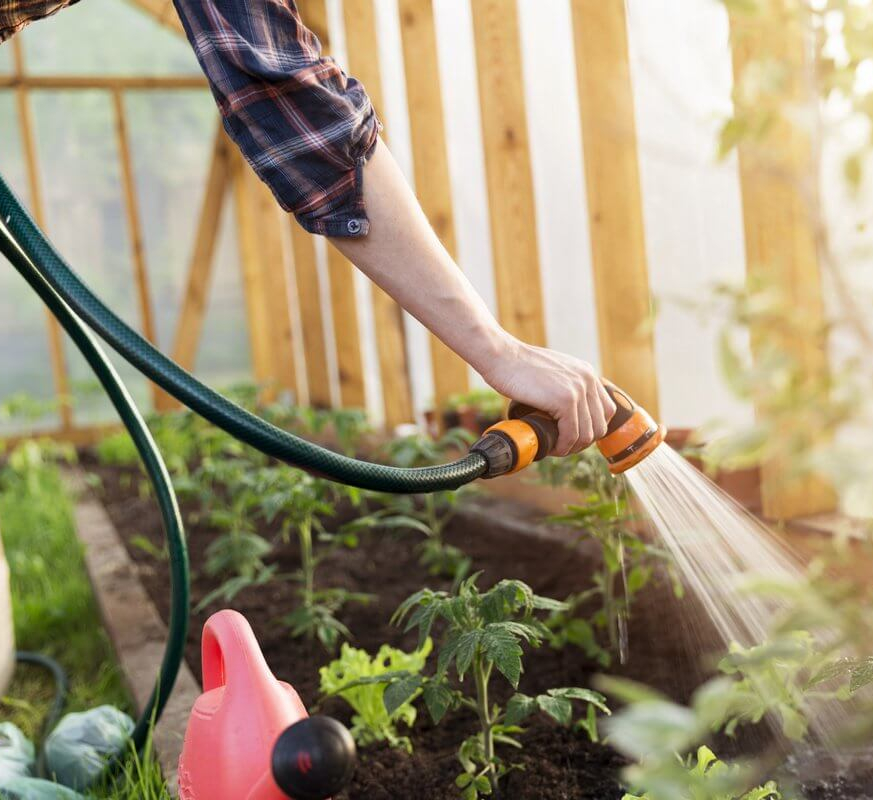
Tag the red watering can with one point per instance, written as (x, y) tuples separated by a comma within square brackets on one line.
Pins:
[(249, 736)]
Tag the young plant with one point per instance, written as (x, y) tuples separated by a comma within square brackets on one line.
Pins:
[(431, 513), (361, 681), (707, 778), (300, 500), (484, 636)]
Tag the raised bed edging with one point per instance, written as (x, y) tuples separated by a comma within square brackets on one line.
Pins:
[(134, 625)]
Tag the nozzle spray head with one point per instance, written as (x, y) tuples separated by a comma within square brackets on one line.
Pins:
[(530, 435), (631, 435)]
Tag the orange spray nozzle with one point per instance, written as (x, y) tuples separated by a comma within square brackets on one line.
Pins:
[(631, 435), (530, 435)]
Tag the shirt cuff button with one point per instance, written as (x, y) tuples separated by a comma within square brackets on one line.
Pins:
[(353, 226)]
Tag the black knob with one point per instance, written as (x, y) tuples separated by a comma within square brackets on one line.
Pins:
[(314, 759)]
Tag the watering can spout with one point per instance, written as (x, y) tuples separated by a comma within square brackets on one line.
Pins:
[(249, 736)]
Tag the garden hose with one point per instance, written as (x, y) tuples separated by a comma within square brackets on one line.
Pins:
[(506, 447), (152, 461), (59, 701)]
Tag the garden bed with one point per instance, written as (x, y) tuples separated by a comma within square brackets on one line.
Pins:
[(668, 641)]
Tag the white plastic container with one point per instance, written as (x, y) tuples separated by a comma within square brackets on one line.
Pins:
[(7, 640)]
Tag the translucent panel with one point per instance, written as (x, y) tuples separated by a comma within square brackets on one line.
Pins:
[(171, 162), (224, 356), (5, 59), (108, 37), (24, 352), (86, 221)]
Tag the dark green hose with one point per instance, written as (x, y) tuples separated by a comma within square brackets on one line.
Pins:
[(154, 466), (74, 305), (208, 403)]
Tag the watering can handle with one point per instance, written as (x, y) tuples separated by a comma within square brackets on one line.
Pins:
[(231, 654)]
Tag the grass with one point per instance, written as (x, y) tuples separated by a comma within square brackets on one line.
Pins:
[(55, 612)]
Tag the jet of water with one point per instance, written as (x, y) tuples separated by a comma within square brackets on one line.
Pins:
[(719, 547)]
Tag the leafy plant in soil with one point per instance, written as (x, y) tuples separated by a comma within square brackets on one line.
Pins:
[(300, 500), (707, 778), (483, 635), (361, 681), (431, 513)]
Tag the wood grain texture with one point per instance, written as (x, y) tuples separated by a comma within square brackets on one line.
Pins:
[(431, 163), (344, 313), (196, 296), (311, 317), (57, 356), (362, 44), (254, 277), (615, 212), (508, 169), (779, 208), (134, 232)]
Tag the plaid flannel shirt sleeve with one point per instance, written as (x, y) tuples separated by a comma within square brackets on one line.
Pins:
[(306, 128)]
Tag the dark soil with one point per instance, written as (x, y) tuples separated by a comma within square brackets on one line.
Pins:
[(669, 646)]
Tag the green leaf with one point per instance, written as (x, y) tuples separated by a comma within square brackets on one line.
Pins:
[(504, 651), (438, 698), (465, 651), (400, 692), (558, 708), (463, 780), (862, 675), (519, 708), (586, 695)]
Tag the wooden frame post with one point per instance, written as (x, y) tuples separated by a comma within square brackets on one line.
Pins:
[(341, 279), (780, 200), (255, 286), (508, 170), (362, 44), (134, 231), (615, 210), (431, 163), (195, 299), (28, 141)]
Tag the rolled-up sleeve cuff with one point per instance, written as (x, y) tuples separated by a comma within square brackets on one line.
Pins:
[(346, 214)]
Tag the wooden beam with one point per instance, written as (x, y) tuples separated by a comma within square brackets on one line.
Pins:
[(508, 170), (134, 230), (255, 286), (79, 436), (194, 302), (278, 279), (615, 210), (431, 163), (780, 201), (163, 12), (28, 142), (350, 365), (311, 318), (110, 82), (362, 44)]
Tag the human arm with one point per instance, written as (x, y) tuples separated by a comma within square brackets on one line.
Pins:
[(310, 132)]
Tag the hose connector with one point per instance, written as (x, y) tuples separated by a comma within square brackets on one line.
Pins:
[(515, 443)]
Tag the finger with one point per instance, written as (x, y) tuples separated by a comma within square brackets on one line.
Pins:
[(568, 431), (586, 425), (598, 414), (608, 404)]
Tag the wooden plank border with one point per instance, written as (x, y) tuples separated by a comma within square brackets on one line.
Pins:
[(508, 170), (615, 209), (431, 163)]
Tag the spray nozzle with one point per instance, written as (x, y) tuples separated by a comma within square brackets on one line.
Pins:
[(530, 435)]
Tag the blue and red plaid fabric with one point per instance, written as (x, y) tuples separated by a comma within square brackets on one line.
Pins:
[(16, 14), (306, 128)]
